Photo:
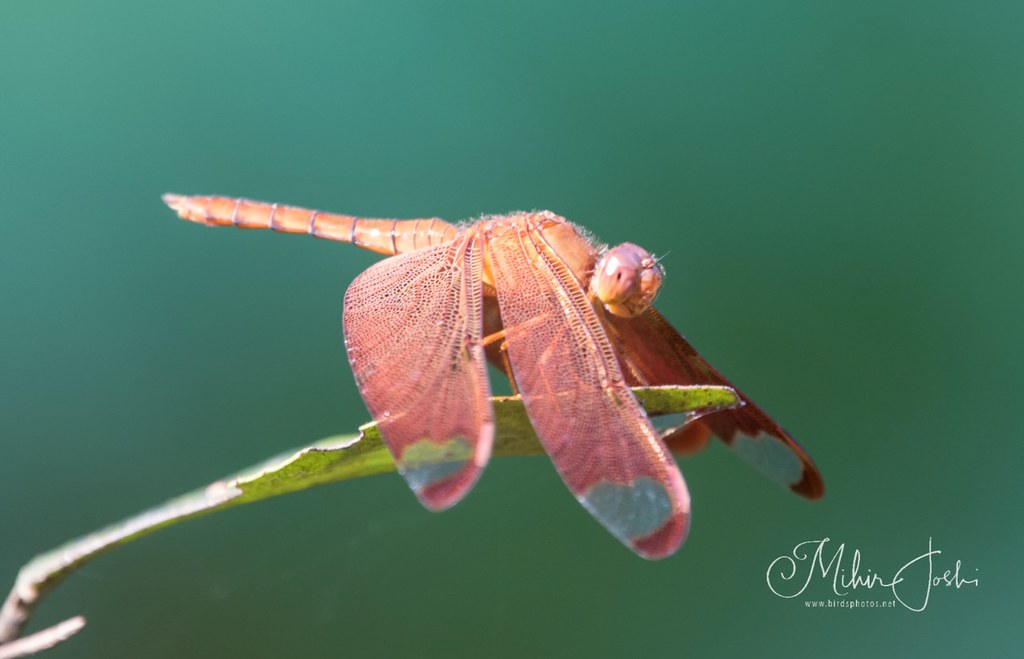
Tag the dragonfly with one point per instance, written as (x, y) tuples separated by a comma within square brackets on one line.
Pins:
[(568, 319)]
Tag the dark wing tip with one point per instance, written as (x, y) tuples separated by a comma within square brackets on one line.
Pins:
[(811, 485), (666, 540)]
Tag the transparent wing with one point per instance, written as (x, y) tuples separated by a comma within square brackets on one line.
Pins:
[(412, 330), (588, 420), (653, 352)]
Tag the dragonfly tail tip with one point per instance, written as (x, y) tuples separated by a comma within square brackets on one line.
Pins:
[(173, 200)]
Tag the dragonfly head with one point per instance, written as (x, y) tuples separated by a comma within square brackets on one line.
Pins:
[(626, 280)]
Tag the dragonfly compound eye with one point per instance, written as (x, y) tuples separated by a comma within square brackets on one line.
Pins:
[(626, 280)]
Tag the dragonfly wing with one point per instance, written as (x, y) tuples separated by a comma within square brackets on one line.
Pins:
[(588, 420), (653, 352), (413, 327)]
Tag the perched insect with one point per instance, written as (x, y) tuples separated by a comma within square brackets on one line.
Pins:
[(572, 324)]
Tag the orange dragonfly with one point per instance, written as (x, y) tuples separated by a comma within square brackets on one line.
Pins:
[(572, 324)]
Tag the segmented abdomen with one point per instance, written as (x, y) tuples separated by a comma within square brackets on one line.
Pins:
[(378, 235)]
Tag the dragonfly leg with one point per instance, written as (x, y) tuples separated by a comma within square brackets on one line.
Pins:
[(508, 367), (503, 351), (491, 338)]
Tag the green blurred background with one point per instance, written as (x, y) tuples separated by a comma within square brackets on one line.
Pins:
[(839, 188)]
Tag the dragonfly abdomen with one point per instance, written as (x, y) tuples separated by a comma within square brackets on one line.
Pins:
[(384, 236)]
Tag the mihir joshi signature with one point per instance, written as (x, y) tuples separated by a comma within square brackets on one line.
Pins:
[(908, 585)]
